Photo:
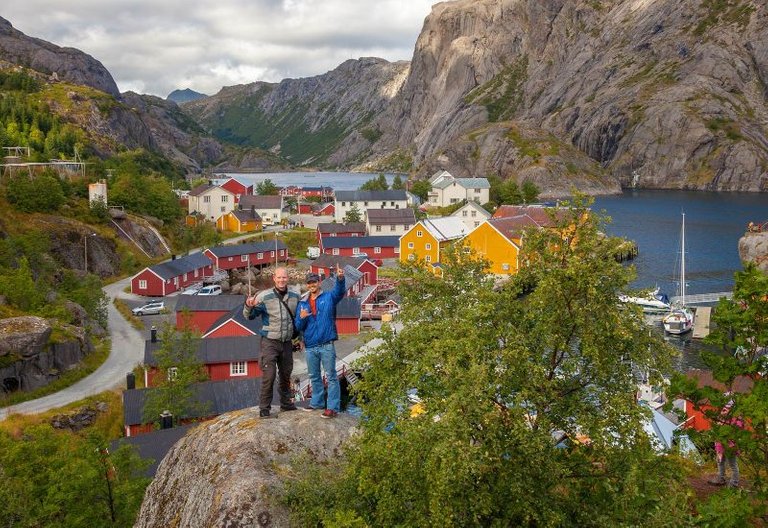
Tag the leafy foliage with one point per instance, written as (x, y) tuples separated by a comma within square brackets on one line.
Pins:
[(502, 375), (353, 215), (397, 183), (266, 187), (508, 192), (35, 193), (421, 189), (147, 194), (378, 183)]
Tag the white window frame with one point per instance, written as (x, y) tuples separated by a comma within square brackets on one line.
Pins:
[(378, 229), (505, 267), (355, 251), (206, 199), (259, 256), (410, 245), (172, 373), (377, 250), (142, 284), (419, 233), (272, 253), (335, 251), (428, 258), (428, 246), (238, 368), (243, 258)]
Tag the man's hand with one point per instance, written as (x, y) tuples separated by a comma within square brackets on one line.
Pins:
[(339, 271), (250, 301), (303, 313)]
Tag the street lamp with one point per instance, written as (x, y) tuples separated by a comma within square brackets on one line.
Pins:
[(85, 249)]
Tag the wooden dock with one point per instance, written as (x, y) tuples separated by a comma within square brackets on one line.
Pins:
[(701, 322)]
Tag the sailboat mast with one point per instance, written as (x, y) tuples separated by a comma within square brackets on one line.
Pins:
[(682, 264)]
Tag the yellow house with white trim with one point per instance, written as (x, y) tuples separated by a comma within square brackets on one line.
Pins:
[(425, 240)]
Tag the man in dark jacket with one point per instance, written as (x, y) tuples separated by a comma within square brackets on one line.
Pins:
[(317, 320), (277, 307)]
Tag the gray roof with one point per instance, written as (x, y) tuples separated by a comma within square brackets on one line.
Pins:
[(351, 276), (213, 350), (180, 266), (234, 250), (391, 216), (330, 261), (153, 445), (209, 303), (247, 215), (348, 307), (369, 196), (360, 242), (261, 201), (329, 227), (467, 183), (222, 396), (254, 325)]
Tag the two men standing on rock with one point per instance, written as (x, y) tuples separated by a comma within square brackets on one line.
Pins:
[(277, 307)]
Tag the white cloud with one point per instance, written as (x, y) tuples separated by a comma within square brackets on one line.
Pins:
[(155, 47)]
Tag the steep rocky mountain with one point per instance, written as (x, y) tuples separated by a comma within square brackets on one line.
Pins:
[(184, 96), (591, 93), (65, 64)]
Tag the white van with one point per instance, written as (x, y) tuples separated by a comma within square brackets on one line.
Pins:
[(210, 290), (313, 252)]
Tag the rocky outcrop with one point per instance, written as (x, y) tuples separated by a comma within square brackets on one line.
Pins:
[(229, 471), (67, 64), (753, 247), (29, 361)]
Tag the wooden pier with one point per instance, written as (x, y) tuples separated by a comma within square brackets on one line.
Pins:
[(701, 322)]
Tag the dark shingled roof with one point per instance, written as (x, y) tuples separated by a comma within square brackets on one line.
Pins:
[(330, 227), (209, 303), (214, 350), (222, 396), (330, 261), (369, 196), (254, 325), (153, 445), (391, 216), (351, 276), (360, 242), (234, 250), (348, 307), (261, 202), (180, 266), (246, 215)]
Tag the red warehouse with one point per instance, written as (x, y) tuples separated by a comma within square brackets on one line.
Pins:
[(234, 324), (348, 316), (223, 358), (324, 209), (168, 277), (238, 256), (201, 311), (328, 229), (375, 247)]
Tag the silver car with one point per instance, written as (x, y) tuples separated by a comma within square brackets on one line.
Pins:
[(151, 308)]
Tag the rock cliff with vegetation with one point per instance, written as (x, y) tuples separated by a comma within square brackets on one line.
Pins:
[(231, 471)]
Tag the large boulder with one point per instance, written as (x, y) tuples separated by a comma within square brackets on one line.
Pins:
[(230, 471), (753, 247), (23, 336)]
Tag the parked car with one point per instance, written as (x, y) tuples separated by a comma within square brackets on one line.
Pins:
[(151, 308), (313, 252), (192, 290), (210, 290)]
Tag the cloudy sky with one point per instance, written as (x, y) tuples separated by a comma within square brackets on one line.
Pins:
[(154, 47)]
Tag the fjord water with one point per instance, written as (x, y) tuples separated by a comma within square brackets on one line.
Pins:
[(714, 222)]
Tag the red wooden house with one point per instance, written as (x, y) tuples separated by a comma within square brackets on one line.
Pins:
[(305, 207), (234, 324), (326, 264), (696, 413), (217, 397), (168, 277), (238, 256), (323, 209), (238, 187), (348, 316), (328, 229), (223, 358), (200, 312), (375, 247)]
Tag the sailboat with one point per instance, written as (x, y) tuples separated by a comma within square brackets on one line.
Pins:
[(680, 319)]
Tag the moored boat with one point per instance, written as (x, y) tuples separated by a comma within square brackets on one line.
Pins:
[(653, 303), (680, 319)]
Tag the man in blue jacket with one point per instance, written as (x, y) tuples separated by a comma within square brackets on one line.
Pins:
[(316, 319)]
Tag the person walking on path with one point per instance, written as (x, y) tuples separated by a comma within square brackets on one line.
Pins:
[(277, 307), (316, 319), (727, 455)]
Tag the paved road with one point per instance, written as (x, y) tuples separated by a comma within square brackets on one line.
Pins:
[(127, 351)]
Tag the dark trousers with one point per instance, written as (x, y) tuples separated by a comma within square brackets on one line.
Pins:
[(276, 358)]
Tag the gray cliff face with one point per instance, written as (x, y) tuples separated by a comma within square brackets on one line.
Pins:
[(753, 247), (229, 471), (673, 92), (68, 64)]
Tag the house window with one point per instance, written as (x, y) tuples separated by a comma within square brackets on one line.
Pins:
[(343, 204), (223, 208), (392, 204), (419, 233), (355, 251), (474, 214), (271, 253), (383, 205), (428, 258), (206, 199), (505, 267), (354, 234), (410, 245), (173, 373), (477, 223), (282, 252), (238, 368), (333, 234), (467, 249), (397, 206), (412, 256), (392, 228), (185, 277), (224, 199), (377, 250), (335, 251), (229, 259), (259, 256), (463, 213), (378, 229), (397, 250), (427, 246), (366, 204), (477, 191), (243, 258), (142, 285)]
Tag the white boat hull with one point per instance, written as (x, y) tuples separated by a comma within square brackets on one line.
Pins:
[(678, 321)]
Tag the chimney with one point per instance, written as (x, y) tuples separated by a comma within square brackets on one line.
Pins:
[(166, 419), (153, 334), (130, 381)]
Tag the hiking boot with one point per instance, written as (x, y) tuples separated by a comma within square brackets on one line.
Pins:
[(289, 407), (329, 413), (716, 482), (264, 413)]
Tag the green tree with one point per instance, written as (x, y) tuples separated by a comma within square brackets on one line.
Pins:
[(267, 188), (353, 215), (35, 194), (502, 375), (178, 370), (379, 183), (421, 188), (397, 183), (100, 211), (530, 192), (20, 288), (740, 331), (86, 291)]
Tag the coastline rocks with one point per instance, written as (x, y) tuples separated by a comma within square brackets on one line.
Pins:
[(24, 336), (753, 247), (229, 471)]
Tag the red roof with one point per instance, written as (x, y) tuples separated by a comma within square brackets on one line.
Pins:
[(541, 215)]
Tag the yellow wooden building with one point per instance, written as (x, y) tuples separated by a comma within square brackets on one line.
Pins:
[(239, 221), (425, 240)]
